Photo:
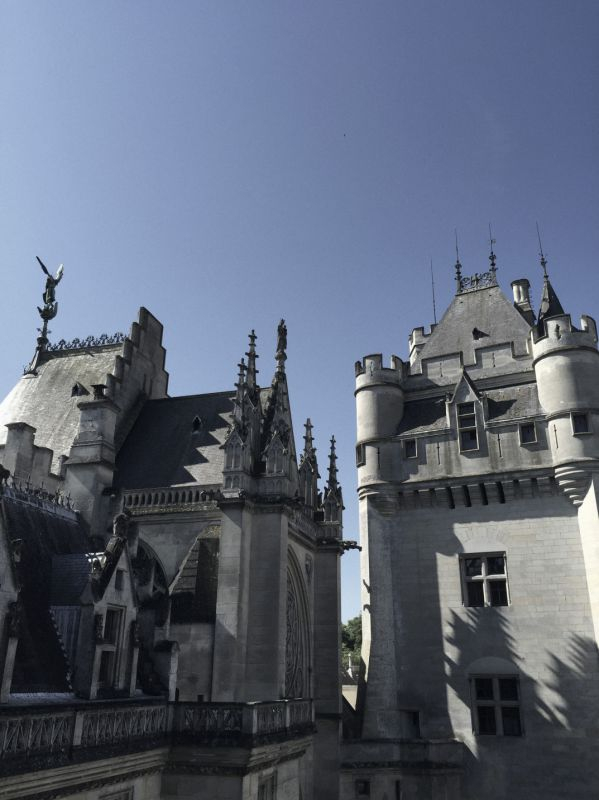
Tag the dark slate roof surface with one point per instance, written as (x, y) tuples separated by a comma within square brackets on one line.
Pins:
[(423, 415), (163, 450), (70, 574), (40, 663), (513, 402)]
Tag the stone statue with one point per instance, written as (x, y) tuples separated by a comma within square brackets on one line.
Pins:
[(51, 283), (281, 337)]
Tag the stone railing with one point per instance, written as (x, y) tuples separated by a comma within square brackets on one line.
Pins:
[(22, 734), (28, 734), (114, 725), (243, 720), (169, 500), (90, 341)]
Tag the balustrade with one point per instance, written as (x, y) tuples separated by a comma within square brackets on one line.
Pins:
[(36, 730), (152, 501)]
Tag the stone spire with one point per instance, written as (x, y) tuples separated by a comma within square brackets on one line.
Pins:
[(239, 402), (252, 372), (332, 502), (308, 470), (550, 304), (332, 483), (309, 449)]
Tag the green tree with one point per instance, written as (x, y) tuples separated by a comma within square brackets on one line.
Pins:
[(351, 642)]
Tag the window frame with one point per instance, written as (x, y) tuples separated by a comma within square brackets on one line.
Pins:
[(465, 428), (484, 578), (360, 455), (534, 430), (405, 448), (496, 703), (584, 414)]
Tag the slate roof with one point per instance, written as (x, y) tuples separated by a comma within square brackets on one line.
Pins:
[(162, 448), (40, 663), (510, 403), (421, 416), (70, 574), (513, 402), (44, 401), (487, 310)]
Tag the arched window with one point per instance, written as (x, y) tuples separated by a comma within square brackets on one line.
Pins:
[(297, 649)]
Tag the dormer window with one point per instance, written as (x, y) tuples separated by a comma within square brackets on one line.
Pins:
[(467, 427)]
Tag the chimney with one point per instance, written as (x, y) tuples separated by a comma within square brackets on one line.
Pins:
[(521, 290)]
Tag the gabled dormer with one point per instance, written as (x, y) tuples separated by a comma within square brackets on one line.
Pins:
[(466, 414), (94, 606)]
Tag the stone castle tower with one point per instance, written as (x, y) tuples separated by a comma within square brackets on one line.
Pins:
[(478, 465)]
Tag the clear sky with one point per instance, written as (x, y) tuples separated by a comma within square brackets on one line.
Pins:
[(227, 164)]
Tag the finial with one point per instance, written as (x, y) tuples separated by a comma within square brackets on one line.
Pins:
[(48, 311), (251, 365), (492, 256), (332, 481), (281, 355), (458, 266), (541, 253), (240, 382), (309, 449)]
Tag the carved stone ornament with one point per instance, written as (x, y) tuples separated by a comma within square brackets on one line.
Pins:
[(309, 564)]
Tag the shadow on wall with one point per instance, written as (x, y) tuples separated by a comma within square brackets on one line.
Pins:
[(556, 707)]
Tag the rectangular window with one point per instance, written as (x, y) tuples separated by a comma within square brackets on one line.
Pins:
[(580, 423), (267, 788), (360, 455), (119, 579), (106, 674), (362, 788), (467, 427), (409, 447), (112, 626), (484, 580), (528, 433), (496, 706)]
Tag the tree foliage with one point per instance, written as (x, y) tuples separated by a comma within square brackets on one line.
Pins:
[(351, 641)]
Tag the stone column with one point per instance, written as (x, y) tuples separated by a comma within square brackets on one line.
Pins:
[(379, 515)]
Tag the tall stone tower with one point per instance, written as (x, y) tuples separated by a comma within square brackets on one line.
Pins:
[(477, 466)]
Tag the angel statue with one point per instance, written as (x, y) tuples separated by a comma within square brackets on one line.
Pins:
[(52, 282)]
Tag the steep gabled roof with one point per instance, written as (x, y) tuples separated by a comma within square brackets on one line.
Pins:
[(477, 319), (163, 449)]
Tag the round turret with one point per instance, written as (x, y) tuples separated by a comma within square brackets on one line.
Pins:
[(379, 397), (566, 362)]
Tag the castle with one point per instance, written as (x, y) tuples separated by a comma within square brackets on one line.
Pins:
[(478, 487), (169, 581), (169, 570)]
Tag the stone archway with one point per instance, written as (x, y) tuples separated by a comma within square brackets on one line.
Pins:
[(297, 646)]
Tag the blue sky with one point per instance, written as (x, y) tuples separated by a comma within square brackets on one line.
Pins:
[(229, 163)]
